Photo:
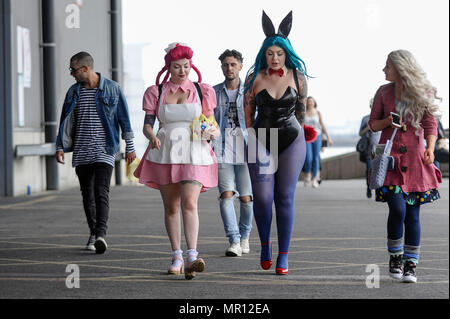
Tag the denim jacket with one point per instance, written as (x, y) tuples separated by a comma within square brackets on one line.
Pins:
[(221, 113), (112, 109)]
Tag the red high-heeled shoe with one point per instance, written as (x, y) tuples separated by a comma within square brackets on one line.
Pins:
[(266, 264), (281, 271)]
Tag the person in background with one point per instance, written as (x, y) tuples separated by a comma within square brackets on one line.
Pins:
[(176, 164), (414, 180), (441, 151), (314, 119), (369, 140), (234, 178), (94, 109)]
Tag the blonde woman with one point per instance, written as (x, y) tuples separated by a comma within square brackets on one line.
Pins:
[(414, 179)]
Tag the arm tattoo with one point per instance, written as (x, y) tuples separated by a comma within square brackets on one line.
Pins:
[(249, 102), (149, 119), (300, 108)]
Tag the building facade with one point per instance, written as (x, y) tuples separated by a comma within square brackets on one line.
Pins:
[(37, 39)]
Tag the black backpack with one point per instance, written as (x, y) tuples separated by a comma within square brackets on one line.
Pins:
[(361, 148)]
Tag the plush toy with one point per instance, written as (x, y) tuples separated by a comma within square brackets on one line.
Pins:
[(202, 124)]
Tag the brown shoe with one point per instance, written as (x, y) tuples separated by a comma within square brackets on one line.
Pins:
[(197, 265)]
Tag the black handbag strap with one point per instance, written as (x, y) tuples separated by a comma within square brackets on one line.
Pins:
[(199, 91)]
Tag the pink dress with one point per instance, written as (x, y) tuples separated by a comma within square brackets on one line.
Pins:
[(179, 158)]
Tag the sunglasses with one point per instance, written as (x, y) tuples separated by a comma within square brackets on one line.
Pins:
[(72, 70)]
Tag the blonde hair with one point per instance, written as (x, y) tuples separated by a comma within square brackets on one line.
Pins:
[(418, 94)]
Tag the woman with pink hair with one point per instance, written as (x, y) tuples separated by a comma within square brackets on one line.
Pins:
[(178, 165)]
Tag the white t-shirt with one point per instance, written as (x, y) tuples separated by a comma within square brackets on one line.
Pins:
[(234, 139)]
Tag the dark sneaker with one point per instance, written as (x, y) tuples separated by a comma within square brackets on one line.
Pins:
[(396, 266), (409, 272), (100, 245), (369, 193), (90, 243)]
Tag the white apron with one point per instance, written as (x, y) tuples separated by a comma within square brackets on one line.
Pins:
[(175, 134)]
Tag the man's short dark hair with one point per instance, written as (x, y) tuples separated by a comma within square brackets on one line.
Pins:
[(233, 53), (83, 58)]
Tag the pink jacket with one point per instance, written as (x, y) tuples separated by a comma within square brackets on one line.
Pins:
[(408, 149)]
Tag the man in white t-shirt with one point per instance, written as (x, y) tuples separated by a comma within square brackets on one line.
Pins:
[(234, 178)]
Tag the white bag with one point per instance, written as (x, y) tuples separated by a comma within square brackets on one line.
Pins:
[(381, 164)]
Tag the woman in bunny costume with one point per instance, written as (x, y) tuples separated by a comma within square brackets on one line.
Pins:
[(276, 87), (176, 164)]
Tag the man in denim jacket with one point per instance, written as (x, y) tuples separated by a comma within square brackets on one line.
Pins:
[(93, 111), (234, 178)]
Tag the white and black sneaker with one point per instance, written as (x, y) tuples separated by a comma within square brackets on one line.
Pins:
[(91, 243), (396, 266), (100, 245), (409, 272), (234, 250)]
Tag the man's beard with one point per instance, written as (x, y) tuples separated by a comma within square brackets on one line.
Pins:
[(81, 81)]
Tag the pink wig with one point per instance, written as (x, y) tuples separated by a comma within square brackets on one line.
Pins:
[(177, 53)]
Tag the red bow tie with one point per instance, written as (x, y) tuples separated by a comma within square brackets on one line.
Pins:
[(280, 72)]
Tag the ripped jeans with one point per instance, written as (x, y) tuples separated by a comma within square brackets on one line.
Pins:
[(236, 179)]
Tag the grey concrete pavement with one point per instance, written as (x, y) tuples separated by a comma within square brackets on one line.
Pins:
[(337, 234)]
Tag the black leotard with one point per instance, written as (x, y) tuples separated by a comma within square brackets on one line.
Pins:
[(277, 113)]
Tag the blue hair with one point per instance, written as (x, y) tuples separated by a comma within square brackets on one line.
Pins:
[(293, 61)]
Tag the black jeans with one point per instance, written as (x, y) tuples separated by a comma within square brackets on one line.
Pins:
[(95, 180)]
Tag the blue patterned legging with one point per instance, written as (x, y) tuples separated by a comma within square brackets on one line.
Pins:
[(278, 187), (403, 228)]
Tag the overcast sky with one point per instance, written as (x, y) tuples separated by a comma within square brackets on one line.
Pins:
[(344, 43)]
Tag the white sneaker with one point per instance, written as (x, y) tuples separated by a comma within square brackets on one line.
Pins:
[(409, 272), (234, 250), (307, 179), (90, 244), (315, 183), (245, 246)]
